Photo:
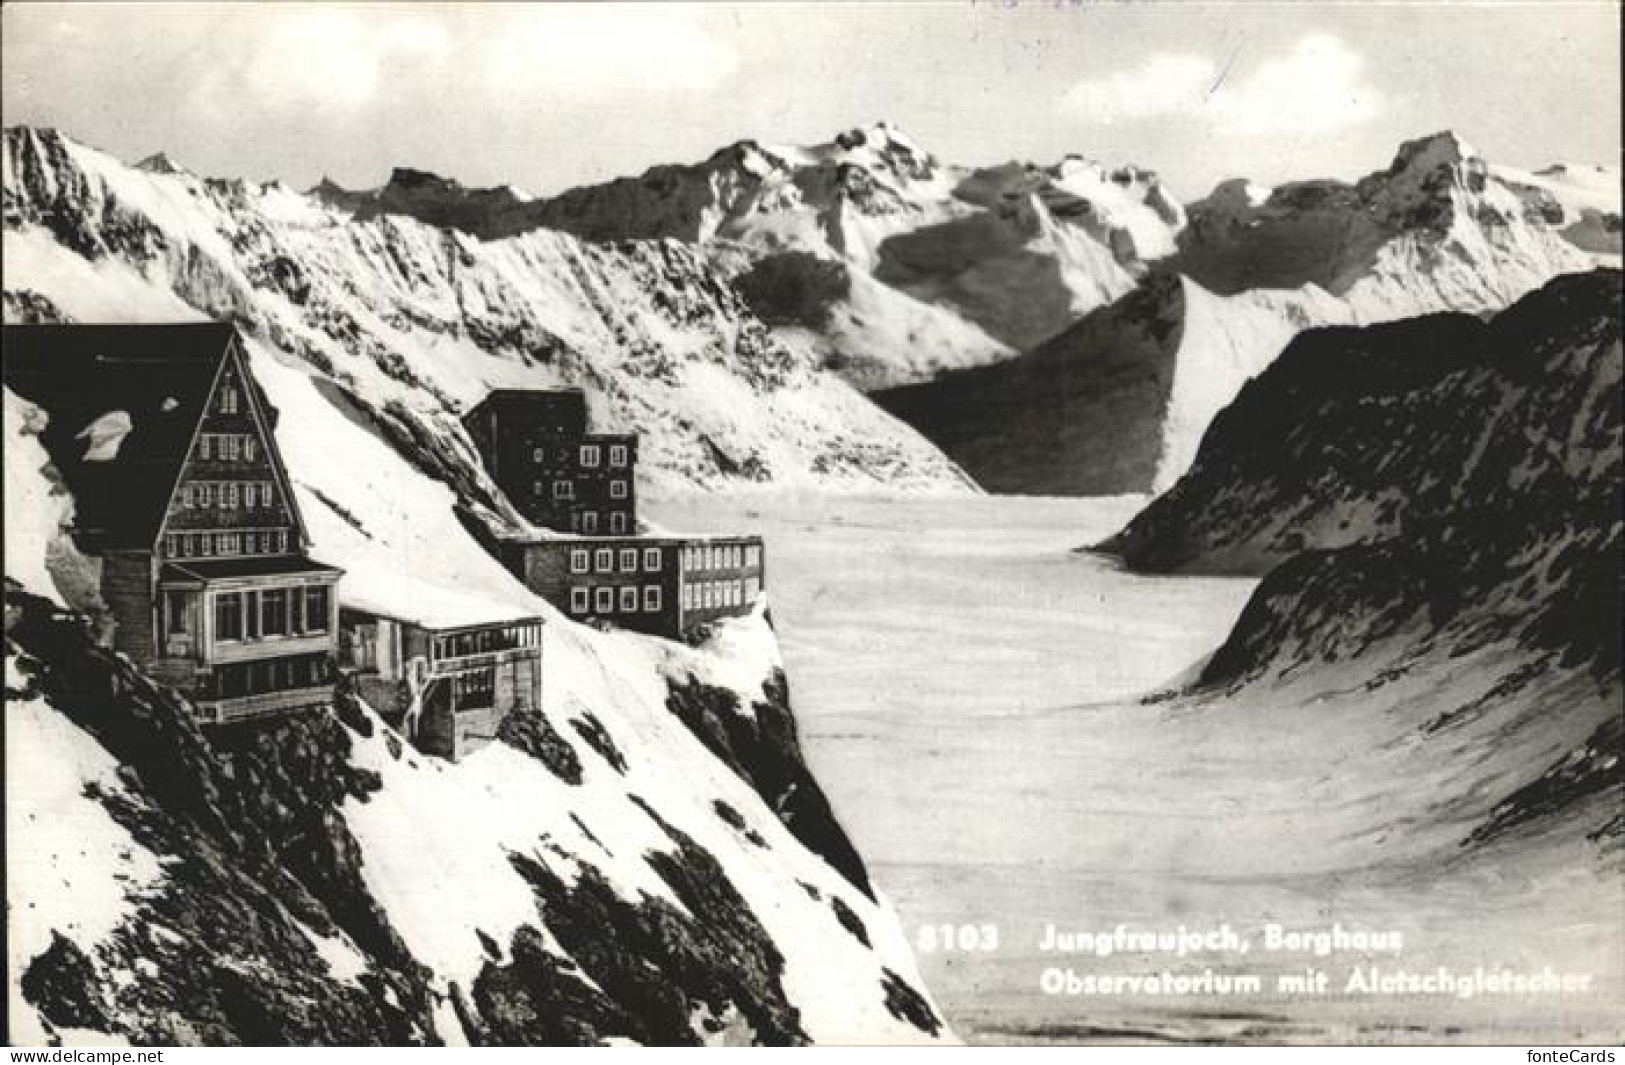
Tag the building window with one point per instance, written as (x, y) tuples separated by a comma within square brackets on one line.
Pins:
[(203, 444), (578, 560), (250, 448), (228, 616), (281, 541), (651, 559), (753, 589), (578, 600), (617, 455), (629, 560), (651, 599), (267, 494), (316, 608), (234, 447), (251, 492), (274, 612), (629, 600), (251, 615), (228, 399), (617, 522), (564, 489), (589, 521), (205, 493), (753, 556), (604, 598), (617, 489), (589, 456), (603, 560), (538, 455), (229, 494)]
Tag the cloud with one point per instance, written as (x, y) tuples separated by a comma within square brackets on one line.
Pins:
[(589, 50), (319, 58), (1316, 85)]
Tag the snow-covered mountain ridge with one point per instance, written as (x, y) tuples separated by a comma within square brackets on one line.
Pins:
[(866, 251), (1120, 400), (422, 320)]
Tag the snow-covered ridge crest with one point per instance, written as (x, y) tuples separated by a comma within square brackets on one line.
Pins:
[(426, 319), (865, 250)]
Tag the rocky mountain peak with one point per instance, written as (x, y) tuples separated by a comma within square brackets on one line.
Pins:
[(161, 163)]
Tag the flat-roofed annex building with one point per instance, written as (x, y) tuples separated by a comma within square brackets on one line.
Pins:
[(166, 443), (443, 668)]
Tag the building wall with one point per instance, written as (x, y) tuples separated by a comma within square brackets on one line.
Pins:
[(722, 577), (616, 593), (127, 587), (536, 447)]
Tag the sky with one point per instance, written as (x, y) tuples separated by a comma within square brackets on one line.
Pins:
[(550, 96)]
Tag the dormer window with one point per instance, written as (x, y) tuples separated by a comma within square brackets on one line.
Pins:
[(589, 456), (228, 399)]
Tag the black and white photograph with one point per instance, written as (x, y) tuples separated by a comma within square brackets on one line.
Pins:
[(962, 522)]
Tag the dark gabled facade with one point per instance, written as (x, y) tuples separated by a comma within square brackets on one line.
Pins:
[(536, 446), (165, 441)]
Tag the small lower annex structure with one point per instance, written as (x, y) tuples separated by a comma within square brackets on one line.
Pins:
[(443, 670)]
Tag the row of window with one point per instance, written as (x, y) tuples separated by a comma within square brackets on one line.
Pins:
[(226, 544), (586, 521), (228, 447), (474, 689), (603, 560), (589, 456), (722, 556), (271, 612), (716, 595), (266, 676), (607, 599), (229, 494), (565, 491), (486, 641)]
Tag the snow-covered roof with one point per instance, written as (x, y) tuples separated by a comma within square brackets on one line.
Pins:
[(428, 605)]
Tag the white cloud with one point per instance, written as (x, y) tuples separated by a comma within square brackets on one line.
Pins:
[(1316, 85), (325, 58), (587, 50)]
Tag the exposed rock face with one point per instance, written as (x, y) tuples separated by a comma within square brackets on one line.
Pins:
[(1357, 435), (1079, 415)]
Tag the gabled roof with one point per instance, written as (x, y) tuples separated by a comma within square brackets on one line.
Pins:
[(161, 376)]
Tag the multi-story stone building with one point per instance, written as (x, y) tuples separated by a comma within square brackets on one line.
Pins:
[(165, 442), (557, 474), (569, 481)]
